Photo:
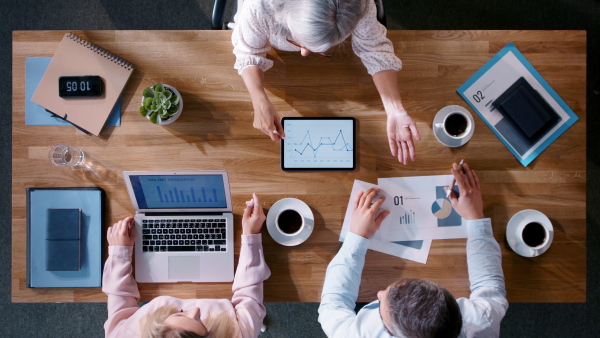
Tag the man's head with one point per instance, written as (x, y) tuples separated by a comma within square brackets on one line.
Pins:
[(419, 308)]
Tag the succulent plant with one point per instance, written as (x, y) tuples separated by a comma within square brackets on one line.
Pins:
[(158, 102)]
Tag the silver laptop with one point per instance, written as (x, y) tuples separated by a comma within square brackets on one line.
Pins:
[(184, 226)]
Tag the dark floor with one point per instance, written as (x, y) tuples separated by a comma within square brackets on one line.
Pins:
[(293, 319)]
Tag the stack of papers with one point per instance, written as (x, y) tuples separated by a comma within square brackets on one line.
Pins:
[(419, 213)]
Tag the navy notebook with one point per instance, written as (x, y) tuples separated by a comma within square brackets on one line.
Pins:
[(51, 261), (63, 239)]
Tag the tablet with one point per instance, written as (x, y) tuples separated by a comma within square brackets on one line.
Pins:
[(318, 143)]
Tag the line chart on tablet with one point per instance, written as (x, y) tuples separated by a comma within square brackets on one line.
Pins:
[(318, 143), (323, 146)]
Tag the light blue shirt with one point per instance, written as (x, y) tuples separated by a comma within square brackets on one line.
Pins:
[(482, 312)]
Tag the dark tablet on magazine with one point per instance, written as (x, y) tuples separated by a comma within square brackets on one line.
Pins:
[(527, 110)]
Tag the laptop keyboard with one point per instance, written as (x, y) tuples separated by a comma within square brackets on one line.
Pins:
[(169, 235)]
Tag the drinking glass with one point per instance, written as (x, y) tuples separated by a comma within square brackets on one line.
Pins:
[(62, 155)]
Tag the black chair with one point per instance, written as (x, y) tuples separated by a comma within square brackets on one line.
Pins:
[(218, 16), (380, 13)]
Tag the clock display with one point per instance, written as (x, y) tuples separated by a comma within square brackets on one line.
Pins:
[(80, 86)]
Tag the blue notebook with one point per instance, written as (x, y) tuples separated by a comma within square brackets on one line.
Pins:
[(90, 201), (36, 115)]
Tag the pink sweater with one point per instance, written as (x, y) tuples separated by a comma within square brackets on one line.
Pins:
[(245, 307)]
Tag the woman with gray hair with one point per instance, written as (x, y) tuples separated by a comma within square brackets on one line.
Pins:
[(318, 26)]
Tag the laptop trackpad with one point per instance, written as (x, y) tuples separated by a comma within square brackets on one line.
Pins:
[(184, 268)]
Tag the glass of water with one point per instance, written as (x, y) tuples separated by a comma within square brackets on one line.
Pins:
[(65, 156)]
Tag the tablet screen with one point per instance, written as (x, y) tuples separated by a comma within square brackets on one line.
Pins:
[(318, 143)]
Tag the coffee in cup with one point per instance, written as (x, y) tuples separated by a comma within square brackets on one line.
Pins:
[(456, 124), (534, 234), (289, 222)]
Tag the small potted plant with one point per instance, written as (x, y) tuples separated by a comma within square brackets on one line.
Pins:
[(161, 104)]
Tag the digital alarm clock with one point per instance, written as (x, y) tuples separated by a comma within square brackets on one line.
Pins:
[(80, 86)]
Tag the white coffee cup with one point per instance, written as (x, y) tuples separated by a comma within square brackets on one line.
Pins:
[(456, 125), (529, 233), (289, 222)]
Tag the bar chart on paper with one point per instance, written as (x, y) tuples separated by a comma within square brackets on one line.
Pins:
[(408, 217)]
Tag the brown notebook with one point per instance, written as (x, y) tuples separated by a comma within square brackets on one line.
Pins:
[(77, 57)]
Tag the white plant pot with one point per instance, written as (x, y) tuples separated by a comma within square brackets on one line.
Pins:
[(179, 109)]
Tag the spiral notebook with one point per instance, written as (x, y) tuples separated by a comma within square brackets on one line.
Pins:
[(78, 57)]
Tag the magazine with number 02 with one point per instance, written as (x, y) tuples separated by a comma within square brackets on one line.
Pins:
[(517, 104)]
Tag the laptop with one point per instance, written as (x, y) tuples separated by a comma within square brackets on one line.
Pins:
[(183, 224)]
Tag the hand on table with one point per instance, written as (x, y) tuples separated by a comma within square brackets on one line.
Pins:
[(470, 203), (267, 120), (365, 217), (253, 217), (401, 130), (121, 233)]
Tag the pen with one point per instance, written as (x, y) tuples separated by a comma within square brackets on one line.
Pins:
[(460, 170)]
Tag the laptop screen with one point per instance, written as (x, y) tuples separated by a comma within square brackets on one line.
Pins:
[(188, 191)]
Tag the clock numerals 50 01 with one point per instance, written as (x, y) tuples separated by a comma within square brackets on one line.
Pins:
[(80, 86)]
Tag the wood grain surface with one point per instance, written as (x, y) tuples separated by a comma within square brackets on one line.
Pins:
[(215, 132)]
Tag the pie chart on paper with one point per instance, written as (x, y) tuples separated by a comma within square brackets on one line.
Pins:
[(441, 208)]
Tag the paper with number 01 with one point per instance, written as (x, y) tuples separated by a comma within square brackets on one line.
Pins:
[(419, 209), (417, 251)]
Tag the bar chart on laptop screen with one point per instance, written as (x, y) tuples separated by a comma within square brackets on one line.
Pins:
[(183, 191)]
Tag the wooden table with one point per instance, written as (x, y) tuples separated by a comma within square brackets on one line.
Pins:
[(215, 132)]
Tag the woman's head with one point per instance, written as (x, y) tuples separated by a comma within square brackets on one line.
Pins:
[(171, 322), (319, 25)]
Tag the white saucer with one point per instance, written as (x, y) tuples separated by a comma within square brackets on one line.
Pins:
[(303, 209), (442, 136), (515, 227)]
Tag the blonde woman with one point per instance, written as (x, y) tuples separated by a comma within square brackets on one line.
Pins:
[(166, 316), (318, 26)]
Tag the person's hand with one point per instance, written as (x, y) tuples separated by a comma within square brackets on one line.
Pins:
[(401, 130), (121, 233), (254, 216), (267, 120), (365, 218), (470, 203)]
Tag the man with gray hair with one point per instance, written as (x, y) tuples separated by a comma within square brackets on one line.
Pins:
[(415, 307)]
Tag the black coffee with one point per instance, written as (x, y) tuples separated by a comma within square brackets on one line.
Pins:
[(456, 124), (534, 234), (289, 221)]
